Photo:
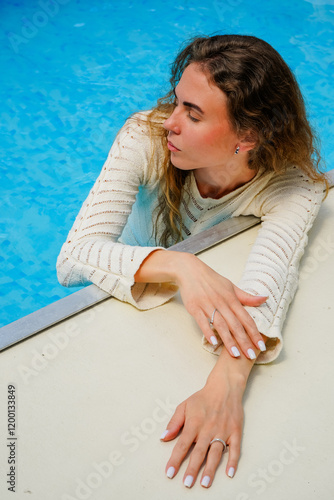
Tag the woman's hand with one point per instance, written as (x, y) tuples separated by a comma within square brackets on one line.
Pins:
[(213, 412), (204, 291)]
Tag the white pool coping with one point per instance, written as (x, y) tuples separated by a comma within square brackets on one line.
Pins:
[(95, 391)]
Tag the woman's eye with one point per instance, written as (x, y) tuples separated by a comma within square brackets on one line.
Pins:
[(192, 118)]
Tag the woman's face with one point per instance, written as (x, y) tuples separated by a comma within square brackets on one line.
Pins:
[(200, 135)]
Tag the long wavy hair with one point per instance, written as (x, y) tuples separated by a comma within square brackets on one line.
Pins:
[(263, 97)]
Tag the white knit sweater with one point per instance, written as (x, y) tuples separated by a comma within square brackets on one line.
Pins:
[(113, 232)]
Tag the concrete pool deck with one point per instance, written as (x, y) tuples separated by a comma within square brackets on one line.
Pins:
[(94, 393)]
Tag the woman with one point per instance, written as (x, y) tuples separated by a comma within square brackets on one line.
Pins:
[(231, 138)]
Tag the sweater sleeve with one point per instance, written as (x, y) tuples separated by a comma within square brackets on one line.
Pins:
[(92, 253), (288, 206)]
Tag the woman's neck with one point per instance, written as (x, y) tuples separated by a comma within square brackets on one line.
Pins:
[(218, 184)]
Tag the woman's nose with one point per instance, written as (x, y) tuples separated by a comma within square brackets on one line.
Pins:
[(172, 123)]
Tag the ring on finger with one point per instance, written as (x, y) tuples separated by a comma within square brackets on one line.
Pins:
[(219, 441), (212, 317)]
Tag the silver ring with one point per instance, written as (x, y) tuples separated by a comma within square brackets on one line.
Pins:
[(212, 317), (220, 441)]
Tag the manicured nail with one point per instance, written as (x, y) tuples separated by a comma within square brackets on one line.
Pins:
[(235, 351), (170, 472), (188, 481), (164, 434), (213, 340), (205, 481), (251, 354), (231, 472), (262, 345)]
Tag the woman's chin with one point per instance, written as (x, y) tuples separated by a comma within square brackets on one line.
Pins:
[(181, 165)]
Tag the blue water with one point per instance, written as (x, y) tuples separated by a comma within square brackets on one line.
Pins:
[(73, 70)]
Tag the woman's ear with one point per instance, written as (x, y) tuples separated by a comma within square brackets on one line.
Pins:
[(248, 141)]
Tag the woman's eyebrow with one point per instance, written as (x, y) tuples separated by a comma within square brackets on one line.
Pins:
[(190, 104)]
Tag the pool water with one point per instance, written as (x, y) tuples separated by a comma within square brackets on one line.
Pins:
[(73, 70)]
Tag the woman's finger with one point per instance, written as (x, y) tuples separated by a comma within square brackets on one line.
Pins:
[(234, 454), (223, 331), (249, 327), (213, 460), (230, 322), (179, 453), (203, 322), (238, 327), (175, 424), (248, 299), (197, 458), (227, 323)]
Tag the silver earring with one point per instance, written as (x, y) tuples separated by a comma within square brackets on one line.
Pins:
[(237, 150)]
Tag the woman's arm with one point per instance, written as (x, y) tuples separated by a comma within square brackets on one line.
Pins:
[(203, 290), (213, 412), (288, 207), (92, 252)]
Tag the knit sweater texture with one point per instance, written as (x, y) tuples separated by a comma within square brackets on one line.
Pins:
[(113, 232)]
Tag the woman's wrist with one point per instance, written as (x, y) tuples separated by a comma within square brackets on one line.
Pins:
[(162, 266), (181, 266), (235, 371)]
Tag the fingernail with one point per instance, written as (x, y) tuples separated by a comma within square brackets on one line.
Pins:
[(170, 472), (188, 481), (213, 340), (262, 345), (231, 472), (235, 351), (164, 434), (251, 354), (205, 481)]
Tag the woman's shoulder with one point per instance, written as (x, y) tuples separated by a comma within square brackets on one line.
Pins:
[(148, 118), (294, 185), (136, 123), (294, 177), (139, 142), (143, 124)]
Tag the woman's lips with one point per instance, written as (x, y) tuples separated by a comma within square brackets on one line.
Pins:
[(171, 147)]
